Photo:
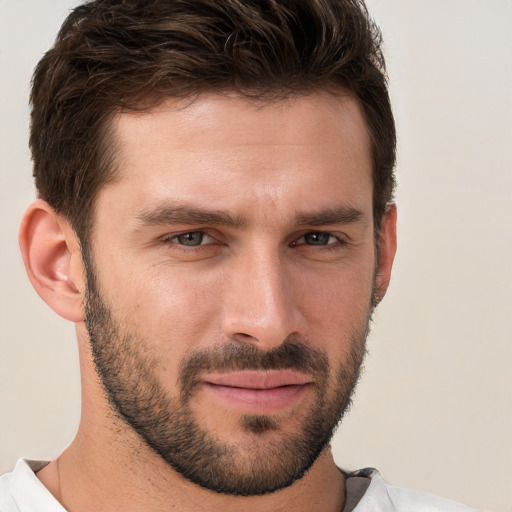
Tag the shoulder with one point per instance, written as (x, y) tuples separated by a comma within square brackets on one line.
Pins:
[(381, 497), (409, 499), (21, 490), (7, 503)]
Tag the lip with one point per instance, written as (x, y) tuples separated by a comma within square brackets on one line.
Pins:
[(258, 392)]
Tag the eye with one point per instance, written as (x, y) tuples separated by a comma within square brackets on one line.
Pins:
[(317, 238), (191, 238)]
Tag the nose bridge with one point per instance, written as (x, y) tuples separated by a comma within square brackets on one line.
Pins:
[(261, 307)]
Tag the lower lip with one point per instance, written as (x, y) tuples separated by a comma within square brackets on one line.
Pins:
[(258, 401)]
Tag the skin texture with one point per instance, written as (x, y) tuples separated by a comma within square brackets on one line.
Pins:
[(282, 193)]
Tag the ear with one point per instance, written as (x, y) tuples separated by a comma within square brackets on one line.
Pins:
[(386, 252), (53, 260)]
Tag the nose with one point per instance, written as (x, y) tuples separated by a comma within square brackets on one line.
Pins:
[(261, 302)]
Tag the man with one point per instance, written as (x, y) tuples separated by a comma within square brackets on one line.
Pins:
[(215, 215)]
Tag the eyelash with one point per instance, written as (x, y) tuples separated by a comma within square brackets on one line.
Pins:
[(171, 239), (338, 240)]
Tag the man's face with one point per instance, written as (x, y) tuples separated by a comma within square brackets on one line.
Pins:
[(230, 282)]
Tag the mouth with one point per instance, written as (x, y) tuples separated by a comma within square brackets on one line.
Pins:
[(258, 392)]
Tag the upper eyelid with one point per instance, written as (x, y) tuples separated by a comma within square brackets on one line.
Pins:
[(336, 234), (168, 236), (339, 236)]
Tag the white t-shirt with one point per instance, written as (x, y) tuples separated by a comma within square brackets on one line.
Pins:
[(21, 491)]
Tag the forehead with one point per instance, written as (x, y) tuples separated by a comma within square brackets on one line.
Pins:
[(230, 119), (229, 150)]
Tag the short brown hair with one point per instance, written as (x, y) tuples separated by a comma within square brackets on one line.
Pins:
[(115, 55)]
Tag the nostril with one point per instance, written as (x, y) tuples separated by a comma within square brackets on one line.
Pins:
[(243, 338), (243, 335)]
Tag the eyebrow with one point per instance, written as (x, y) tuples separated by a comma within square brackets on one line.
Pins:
[(329, 216), (162, 215), (168, 214)]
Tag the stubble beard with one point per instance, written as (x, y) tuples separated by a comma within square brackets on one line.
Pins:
[(167, 424)]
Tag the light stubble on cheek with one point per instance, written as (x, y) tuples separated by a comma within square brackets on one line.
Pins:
[(168, 423)]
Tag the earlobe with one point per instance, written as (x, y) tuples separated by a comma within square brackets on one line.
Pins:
[(386, 252), (52, 256)]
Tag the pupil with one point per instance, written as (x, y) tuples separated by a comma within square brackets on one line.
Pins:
[(317, 238), (194, 238)]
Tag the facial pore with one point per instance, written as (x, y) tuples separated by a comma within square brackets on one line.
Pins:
[(167, 423)]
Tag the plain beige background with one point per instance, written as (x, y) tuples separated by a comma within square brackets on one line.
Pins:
[(434, 410)]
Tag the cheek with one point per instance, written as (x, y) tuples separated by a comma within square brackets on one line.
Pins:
[(177, 307), (342, 294), (172, 310), (337, 308)]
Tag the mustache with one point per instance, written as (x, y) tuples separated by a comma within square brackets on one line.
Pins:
[(291, 354)]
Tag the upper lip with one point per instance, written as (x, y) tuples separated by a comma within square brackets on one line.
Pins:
[(258, 379)]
